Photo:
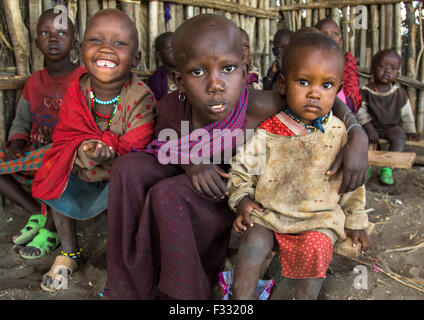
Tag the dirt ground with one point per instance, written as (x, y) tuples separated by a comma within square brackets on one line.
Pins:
[(398, 215)]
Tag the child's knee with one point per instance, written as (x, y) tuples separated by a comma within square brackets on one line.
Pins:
[(396, 135), (256, 244)]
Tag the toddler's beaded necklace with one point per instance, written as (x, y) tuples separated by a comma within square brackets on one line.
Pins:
[(317, 125), (93, 99)]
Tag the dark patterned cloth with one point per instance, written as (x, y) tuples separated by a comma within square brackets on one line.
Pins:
[(164, 237)]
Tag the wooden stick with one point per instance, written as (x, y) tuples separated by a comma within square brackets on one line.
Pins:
[(229, 7), (336, 4), (154, 31), (82, 19), (375, 31), (352, 32), (345, 29), (18, 36), (398, 29), (411, 53), (390, 25), (308, 17), (37, 58), (383, 28), (92, 7)]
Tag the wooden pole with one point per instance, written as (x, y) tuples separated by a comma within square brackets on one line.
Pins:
[(82, 18), (374, 29), (308, 16), (92, 7), (154, 31), (390, 26), (18, 35), (383, 27), (398, 30), (128, 8), (270, 29), (37, 58), (352, 32), (411, 52), (345, 29), (47, 4)]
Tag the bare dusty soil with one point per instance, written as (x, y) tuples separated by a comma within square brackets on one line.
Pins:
[(390, 270)]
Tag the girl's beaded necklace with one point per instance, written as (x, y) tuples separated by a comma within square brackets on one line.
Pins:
[(93, 99)]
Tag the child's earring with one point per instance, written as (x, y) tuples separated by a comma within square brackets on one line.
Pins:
[(181, 96)]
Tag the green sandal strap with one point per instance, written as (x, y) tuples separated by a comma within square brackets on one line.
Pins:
[(34, 224), (36, 221), (41, 242)]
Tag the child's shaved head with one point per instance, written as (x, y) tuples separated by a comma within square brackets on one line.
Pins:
[(125, 20), (315, 40), (213, 29), (49, 14)]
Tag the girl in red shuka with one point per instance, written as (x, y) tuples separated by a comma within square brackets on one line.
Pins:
[(104, 114)]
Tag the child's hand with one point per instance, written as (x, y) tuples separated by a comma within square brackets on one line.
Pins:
[(16, 150), (98, 151), (353, 161), (207, 179), (373, 136), (360, 235), (45, 134), (245, 206), (414, 137)]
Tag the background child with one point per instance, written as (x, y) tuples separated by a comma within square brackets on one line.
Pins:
[(350, 76), (254, 77), (104, 114), (30, 134), (169, 225), (280, 41), (292, 198), (385, 111), (161, 82)]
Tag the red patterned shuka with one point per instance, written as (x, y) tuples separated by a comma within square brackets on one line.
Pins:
[(131, 127)]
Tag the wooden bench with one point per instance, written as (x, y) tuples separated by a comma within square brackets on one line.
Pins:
[(391, 159)]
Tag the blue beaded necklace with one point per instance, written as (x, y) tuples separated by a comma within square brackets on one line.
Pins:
[(317, 124), (97, 100)]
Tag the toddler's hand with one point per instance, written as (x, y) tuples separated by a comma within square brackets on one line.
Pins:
[(245, 206), (373, 136), (98, 151), (360, 235)]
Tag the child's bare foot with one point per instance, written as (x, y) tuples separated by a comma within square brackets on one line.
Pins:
[(43, 243), (27, 233)]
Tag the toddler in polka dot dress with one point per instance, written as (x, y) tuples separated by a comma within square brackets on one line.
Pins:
[(105, 113), (279, 185)]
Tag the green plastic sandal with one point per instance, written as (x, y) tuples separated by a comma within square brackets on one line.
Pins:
[(41, 241), (385, 175), (35, 223)]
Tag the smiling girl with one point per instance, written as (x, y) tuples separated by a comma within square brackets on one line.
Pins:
[(105, 113)]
